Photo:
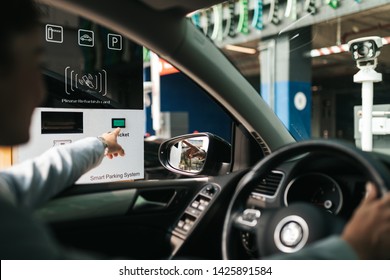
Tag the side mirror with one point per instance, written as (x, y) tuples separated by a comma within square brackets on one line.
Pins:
[(196, 154)]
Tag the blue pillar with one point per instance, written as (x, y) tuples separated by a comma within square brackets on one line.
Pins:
[(286, 79)]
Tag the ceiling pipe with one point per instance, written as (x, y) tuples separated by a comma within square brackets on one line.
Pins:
[(350, 33)]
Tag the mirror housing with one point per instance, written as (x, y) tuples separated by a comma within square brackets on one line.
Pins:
[(196, 154)]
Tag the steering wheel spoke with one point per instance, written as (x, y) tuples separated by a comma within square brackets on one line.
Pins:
[(247, 220)]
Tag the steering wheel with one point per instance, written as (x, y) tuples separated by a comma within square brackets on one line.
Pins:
[(289, 229)]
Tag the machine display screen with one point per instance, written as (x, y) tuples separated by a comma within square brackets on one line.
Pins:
[(88, 65)]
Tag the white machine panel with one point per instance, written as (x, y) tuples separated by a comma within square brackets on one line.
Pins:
[(94, 123), (94, 83)]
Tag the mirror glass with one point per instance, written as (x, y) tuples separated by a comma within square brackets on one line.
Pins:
[(189, 154)]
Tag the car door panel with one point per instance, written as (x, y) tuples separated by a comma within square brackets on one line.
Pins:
[(140, 219), (111, 219)]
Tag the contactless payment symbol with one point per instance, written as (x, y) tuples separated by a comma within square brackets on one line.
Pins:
[(74, 81), (114, 41), (54, 33), (86, 38)]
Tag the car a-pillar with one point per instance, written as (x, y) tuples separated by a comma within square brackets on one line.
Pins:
[(286, 78)]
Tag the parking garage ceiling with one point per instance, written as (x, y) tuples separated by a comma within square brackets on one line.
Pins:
[(327, 34)]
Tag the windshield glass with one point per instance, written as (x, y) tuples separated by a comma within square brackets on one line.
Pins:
[(303, 57)]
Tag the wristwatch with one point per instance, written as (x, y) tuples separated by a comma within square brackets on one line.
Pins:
[(105, 144)]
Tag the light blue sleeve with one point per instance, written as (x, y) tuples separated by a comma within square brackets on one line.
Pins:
[(331, 248), (35, 181)]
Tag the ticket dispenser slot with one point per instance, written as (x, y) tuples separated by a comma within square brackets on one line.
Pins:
[(61, 122)]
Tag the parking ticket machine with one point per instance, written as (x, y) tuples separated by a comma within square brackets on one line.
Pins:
[(94, 83)]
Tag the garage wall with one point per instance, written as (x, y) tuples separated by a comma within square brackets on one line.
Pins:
[(180, 94)]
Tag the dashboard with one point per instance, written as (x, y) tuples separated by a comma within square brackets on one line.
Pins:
[(337, 187), (316, 188)]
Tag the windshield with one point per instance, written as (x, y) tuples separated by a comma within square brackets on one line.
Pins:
[(302, 58)]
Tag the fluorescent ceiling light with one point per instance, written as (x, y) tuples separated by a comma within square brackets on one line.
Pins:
[(337, 49), (240, 49)]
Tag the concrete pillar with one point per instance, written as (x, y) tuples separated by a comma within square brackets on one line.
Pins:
[(286, 79)]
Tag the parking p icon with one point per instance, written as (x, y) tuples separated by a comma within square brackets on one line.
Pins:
[(114, 41)]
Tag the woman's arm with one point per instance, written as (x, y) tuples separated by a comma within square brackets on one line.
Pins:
[(33, 182)]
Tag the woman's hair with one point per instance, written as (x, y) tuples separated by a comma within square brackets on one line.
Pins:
[(17, 17)]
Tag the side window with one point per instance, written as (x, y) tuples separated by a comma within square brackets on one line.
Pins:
[(184, 108), (98, 80)]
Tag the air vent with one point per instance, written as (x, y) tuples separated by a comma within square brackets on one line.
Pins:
[(269, 184), (266, 150)]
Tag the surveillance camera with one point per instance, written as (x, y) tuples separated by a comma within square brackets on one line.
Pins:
[(366, 48)]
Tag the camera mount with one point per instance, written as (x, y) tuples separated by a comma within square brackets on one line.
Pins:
[(365, 51)]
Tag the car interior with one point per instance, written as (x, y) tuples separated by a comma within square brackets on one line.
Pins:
[(207, 197)]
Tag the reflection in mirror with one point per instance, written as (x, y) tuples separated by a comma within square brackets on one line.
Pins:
[(189, 154)]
